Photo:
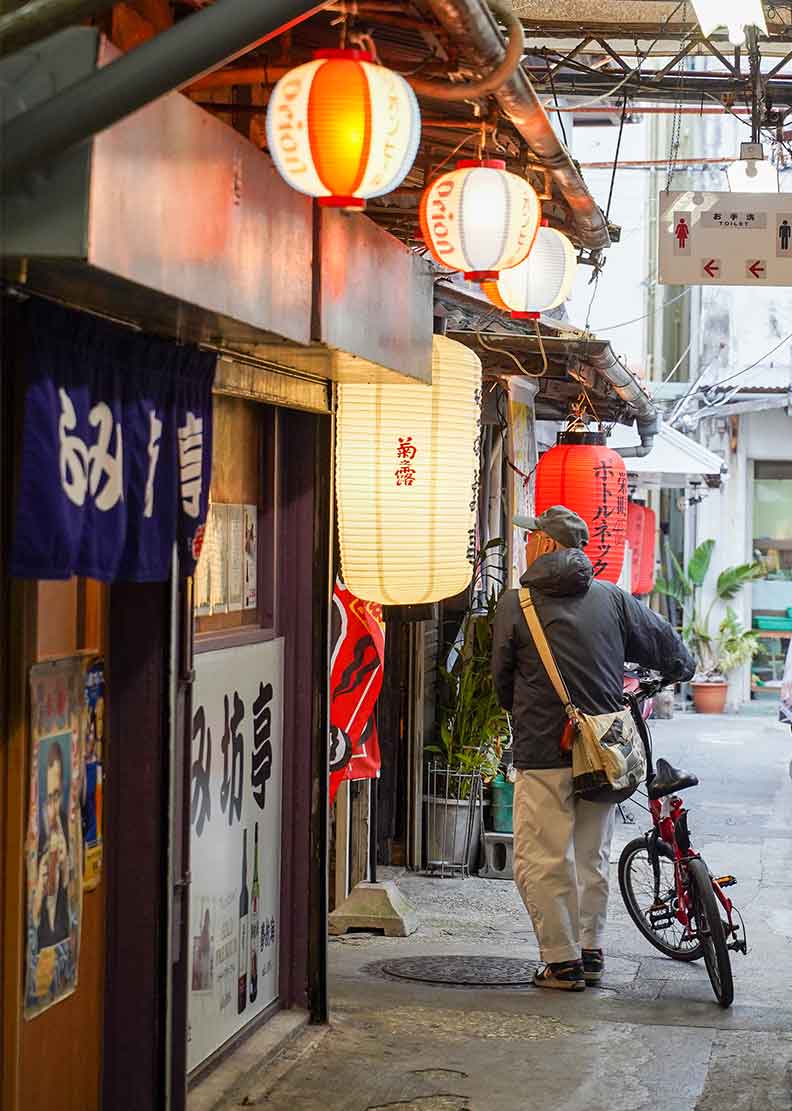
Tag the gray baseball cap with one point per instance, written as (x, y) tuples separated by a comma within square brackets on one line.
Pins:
[(560, 523)]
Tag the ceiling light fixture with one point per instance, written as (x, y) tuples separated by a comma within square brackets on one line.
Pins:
[(752, 173), (735, 15)]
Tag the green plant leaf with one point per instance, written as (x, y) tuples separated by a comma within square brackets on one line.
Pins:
[(670, 589), (700, 562), (733, 579)]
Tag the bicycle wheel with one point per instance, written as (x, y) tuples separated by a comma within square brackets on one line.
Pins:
[(658, 924), (709, 927)]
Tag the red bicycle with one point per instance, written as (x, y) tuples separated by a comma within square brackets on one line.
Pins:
[(670, 893)]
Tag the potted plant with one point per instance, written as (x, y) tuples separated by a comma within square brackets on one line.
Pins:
[(472, 732), (721, 650)]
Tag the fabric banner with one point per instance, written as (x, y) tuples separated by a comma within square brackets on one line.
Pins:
[(355, 683), (116, 451), (53, 850)]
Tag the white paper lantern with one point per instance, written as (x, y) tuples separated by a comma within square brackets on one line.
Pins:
[(406, 478), (479, 218), (342, 129), (540, 283)]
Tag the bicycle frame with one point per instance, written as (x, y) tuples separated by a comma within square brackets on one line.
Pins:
[(669, 822)]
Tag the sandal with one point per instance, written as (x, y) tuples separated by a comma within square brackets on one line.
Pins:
[(567, 976), (593, 965)]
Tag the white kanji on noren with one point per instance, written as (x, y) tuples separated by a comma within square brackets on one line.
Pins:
[(191, 463), (155, 432), (83, 468)]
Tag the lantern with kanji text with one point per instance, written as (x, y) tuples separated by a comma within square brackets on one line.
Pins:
[(406, 479), (343, 129), (479, 218), (589, 478)]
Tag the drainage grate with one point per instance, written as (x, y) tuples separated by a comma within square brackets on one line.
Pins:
[(473, 971)]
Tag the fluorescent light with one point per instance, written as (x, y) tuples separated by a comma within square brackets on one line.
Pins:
[(752, 173), (735, 15)]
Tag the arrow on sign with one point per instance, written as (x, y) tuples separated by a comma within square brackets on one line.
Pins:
[(712, 268), (756, 268)]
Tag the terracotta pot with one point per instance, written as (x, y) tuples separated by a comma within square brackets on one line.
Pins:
[(709, 698)]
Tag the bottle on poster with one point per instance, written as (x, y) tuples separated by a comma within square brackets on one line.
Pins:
[(243, 951), (255, 896)]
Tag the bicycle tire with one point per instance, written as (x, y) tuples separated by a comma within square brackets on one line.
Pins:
[(627, 864), (709, 925)]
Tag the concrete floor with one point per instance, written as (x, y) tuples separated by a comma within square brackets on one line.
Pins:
[(651, 1038)]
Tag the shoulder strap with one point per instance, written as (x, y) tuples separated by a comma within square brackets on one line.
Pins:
[(544, 650)]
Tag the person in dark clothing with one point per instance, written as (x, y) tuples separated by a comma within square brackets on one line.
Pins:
[(562, 845)]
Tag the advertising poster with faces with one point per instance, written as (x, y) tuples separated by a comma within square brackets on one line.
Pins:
[(53, 850), (235, 816)]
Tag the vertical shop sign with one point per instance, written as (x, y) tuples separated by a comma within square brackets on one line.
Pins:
[(524, 457), (53, 850), (235, 841)]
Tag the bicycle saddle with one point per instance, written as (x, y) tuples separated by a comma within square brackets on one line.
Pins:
[(668, 780)]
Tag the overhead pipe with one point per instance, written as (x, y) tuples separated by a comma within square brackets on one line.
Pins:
[(471, 23), (602, 358), (197, 45), (39, 18)]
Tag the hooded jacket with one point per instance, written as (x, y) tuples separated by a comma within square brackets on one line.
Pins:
[(592, 628)]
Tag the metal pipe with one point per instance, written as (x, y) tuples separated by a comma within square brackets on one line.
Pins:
[(39, 18), (498, 75), (471, 23), (602, 358), (198, 44)]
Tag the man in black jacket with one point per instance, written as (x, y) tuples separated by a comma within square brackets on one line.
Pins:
[(562, 845)]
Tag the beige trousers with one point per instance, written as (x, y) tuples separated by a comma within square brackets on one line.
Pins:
[(561, 862)]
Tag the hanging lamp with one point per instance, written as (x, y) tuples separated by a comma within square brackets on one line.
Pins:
[(406, 475), (735, 15), (541, 282), (752, 172), (343, 129), (480, 218), (588, 477)]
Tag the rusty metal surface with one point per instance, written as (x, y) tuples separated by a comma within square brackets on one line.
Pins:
[(375, 297), (183, 204)]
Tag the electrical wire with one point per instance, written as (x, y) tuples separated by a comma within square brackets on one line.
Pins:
[(513, 357), (652, 312)]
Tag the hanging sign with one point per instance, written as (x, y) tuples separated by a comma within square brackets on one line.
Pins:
[(53, 850), (116, 451), (725, 239), (235, 830), (355, 684)]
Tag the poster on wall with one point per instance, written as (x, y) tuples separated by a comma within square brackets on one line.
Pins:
[(251, 556), (355, 683), (523, 439), (53, 847), (219, 559), (93, 733), (236, 561), (235, 831)]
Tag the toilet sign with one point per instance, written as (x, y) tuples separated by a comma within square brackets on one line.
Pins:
[(725, 239)]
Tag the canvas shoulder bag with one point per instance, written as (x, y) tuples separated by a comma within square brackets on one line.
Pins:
[(608, 755)]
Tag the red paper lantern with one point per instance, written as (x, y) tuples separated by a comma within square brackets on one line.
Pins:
[(583, 474), (635, 538), (645, 581)]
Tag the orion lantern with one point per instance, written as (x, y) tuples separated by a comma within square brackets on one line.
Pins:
[(343, 129), (589, 478), (479, 218), (541, 282), (406, 477)]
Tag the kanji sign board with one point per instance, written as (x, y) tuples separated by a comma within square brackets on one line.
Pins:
[(725, 239)]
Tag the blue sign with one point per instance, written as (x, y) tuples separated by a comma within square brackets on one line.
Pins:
[(116, 452)]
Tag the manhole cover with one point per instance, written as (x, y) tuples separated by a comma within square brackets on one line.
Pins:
[(476, 971)]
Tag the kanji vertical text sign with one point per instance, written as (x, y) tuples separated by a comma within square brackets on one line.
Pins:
[(235, 817), (725, 239)]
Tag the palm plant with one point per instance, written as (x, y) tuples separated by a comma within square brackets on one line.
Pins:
[(719, 651)]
